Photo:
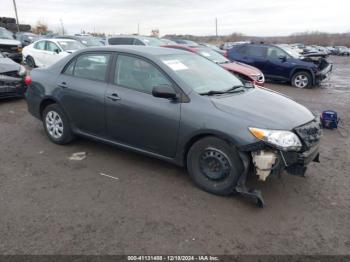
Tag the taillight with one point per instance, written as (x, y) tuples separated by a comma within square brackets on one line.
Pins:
[(28, 80)]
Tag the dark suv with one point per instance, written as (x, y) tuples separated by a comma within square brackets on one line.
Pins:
[(281, 62)]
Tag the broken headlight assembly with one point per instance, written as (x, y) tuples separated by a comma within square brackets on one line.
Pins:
[(283, 140)]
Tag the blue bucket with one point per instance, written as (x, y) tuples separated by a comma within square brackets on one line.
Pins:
[(329, 119)]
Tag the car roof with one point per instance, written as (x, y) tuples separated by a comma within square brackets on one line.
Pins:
[(137, 49), (130, 36), (58, 39)]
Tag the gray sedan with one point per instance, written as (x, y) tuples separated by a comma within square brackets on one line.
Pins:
[(176, 106)]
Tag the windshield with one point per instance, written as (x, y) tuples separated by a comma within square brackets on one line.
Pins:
[(70, 45), (4, 34), (292, 52), (199, 73), (91, 41), (151, 41), (212, 55)]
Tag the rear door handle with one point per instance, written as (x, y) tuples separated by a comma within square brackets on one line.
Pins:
[(113, 97), (63, 85)]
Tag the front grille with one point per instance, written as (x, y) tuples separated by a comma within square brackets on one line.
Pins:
[(310, 133), (8, 48)]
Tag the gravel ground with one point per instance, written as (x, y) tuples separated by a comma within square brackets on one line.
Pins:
[(52, 205)]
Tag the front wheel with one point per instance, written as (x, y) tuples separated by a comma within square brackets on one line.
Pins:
[(30, 61), (214, 165), (301, 79), (56, 125)]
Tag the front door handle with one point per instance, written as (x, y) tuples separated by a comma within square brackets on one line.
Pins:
[(113, 97), (63, 85)]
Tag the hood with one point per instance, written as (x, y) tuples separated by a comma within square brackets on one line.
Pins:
[(241, 68), (8, 65), (262, 108), (10, 42)]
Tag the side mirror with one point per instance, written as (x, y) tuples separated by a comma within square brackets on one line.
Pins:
[(283, 58), (56, 50), (164, 91)]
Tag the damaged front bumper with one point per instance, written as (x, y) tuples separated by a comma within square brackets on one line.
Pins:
[(267, 160), (324, 73)]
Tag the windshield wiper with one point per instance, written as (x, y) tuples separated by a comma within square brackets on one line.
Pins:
[(220, 92)]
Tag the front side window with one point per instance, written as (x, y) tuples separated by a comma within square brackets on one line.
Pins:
[(52, 47), (199, 73), (40, 45), (138, 74), (90, 66), (275, 53)]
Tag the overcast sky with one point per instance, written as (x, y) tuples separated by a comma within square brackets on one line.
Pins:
[(250, 17)]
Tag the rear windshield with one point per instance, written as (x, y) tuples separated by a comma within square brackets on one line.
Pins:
[(212, 55), (70, 45), (90, 41)]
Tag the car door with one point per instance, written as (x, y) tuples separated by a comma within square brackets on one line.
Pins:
[(38, 52), (83, 87), (134, 116), (52, 53), (254, 55), (278, 63)]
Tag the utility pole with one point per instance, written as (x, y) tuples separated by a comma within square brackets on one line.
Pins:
[(17, 22), (216, 27), (62, 26), (138, 28)]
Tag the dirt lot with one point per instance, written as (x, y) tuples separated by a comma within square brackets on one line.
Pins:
[(52, 205)]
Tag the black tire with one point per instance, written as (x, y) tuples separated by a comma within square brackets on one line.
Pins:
[(302, 79), (30, 61), (210, 155), (66, 134)]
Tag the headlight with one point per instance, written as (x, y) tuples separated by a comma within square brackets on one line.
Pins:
[(22, 71), (284, 140), (258, 77)]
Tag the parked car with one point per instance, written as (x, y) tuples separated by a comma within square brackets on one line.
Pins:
[(26, 38), (9, 45), (243, 71), (184, 42), (342, 51), (13, 79), (46, 52), (283, 64), (133, 40), (179, 107), (84, 40), (215, 48)]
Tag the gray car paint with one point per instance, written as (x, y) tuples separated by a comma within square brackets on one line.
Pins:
[(157, 126)]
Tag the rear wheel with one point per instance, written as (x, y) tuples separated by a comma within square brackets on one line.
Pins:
[(301, 79), (56, 125), (214, 165), (30, 61)]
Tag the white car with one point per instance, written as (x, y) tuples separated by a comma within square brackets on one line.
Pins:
[(46, 52)]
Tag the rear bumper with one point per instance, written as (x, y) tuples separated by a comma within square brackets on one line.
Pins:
[(16, 88)]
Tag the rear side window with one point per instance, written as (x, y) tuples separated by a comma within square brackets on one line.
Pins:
[(138, 42), (40, 45), (121, 41), (254, 51), (89, 66)]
